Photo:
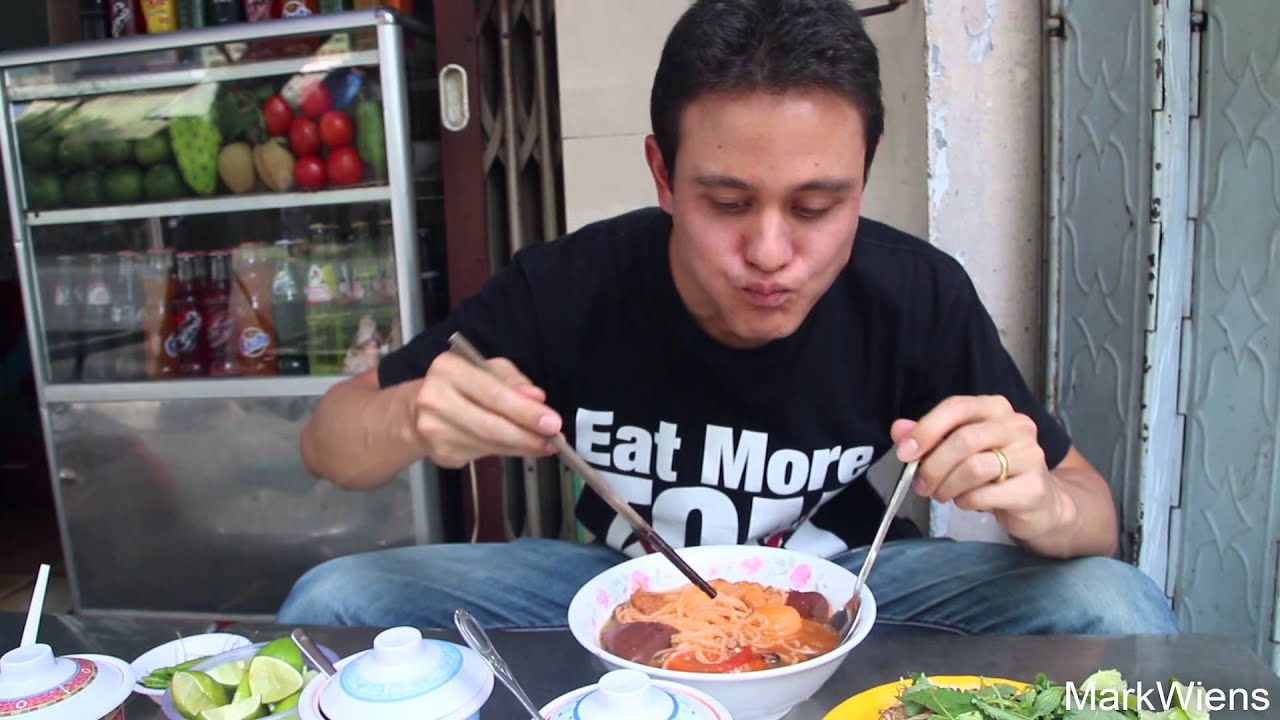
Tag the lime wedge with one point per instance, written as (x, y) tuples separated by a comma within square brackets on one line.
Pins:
[(272, 679), (229, 674), (247, 709), (283, 649), (242, 691), (288, 703), (194, 692)]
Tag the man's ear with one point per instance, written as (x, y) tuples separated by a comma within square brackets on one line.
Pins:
[(661, 174)]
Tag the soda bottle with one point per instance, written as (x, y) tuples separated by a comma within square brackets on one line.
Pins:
[(324, 308), (190, 14), (64, 313), (289, 309), (251, 309), (364, 332), (159, 285), (189, 341), (222, 12), (388, 299), (219, 324), (294, 8), (93, 19), (126, 314), (126, 18), (97, 295), (255, 10)]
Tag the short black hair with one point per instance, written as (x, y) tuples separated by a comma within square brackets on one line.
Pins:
[(771, 45)]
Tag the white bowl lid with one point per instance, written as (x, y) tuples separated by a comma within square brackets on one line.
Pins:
[(408, 676), (632, 695), (35, 685)]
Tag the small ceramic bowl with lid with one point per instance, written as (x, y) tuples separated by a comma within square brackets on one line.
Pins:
[(632, 695), (404, 676), (36, 685)]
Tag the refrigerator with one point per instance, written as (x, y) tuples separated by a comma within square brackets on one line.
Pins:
[(213, 227)]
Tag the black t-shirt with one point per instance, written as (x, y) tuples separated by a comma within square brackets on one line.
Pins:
[(715, 445)]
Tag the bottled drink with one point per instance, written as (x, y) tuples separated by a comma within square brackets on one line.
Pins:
[(255, 10), (97, 295), (64, 313), (222, 12), (190, 14), (159, 285), (190, 343), (388, 298), (93, 19), (364, 331), (126, 295), (127, 301), (219, 324), (126, 18), (324, 304), (295, 8), (289, 309), (251, 308)]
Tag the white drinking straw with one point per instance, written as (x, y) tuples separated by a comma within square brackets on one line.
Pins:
[(36, 608)]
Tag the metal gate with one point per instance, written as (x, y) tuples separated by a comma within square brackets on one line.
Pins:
[(1163, 242), (1225, 531)]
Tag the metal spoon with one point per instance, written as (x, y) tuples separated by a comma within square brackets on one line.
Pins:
[(846, 618), (309, 649), (478, 640)]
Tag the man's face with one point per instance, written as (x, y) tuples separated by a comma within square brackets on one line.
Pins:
[(765, 199)]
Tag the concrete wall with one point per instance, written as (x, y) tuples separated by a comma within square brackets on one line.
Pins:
[(959, 164)]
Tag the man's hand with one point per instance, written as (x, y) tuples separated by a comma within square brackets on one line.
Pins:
[(959, 445), (463, 412)]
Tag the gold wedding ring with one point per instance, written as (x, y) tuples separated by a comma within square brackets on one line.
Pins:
[(1004, 465)]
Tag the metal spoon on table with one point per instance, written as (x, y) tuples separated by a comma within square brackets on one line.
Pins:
[(312, 652), (478, 640), (846, 618)]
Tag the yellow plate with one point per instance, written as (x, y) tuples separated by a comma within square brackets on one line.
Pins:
[(868, 704)]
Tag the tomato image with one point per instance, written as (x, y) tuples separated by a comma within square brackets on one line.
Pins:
[(304, 136), (336, 129), (345, 166), (309, 172), (277, 115)]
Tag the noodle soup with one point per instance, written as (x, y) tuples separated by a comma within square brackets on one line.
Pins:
[(748, 626)]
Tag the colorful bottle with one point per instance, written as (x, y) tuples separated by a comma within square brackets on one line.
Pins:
[(220, 326), (190, 343), (251, 308), (159, 285), (295, 8), (325, 329), (161, 15), (255, 10), (126, 18)]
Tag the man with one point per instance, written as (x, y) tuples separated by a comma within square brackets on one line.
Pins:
[(735, 361)]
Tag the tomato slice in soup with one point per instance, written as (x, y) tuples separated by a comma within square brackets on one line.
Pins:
[(744, 659)]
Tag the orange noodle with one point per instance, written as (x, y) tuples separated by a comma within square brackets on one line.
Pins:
[(715, 631)]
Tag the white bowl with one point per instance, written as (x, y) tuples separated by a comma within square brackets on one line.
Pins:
[(757, 695), (179, 651)]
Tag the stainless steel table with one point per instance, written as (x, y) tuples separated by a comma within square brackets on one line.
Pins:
[(549, 662)]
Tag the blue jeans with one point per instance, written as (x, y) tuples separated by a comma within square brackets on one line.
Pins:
[(939, 585)]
